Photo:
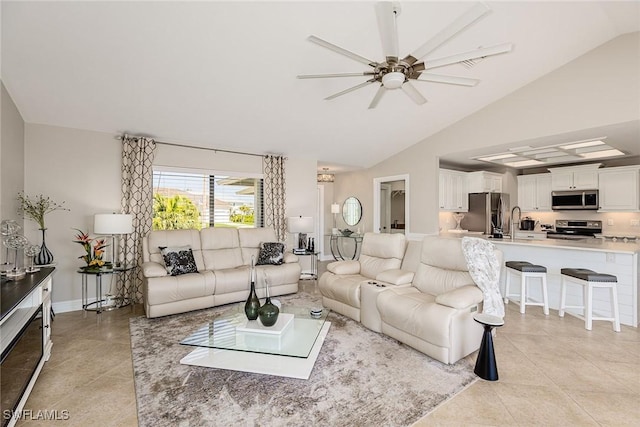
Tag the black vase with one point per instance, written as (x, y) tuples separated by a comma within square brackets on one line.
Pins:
[(252, 305), (268, 312), (45, 256)]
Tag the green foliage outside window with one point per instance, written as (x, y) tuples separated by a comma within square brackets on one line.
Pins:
[(175, 213), (243, 215)]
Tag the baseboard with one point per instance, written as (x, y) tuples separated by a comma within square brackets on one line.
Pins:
[(65, 306)]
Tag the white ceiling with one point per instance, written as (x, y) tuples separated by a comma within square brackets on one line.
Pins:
[(223, 74)]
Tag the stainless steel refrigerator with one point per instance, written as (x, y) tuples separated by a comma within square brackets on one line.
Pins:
[(487, 211)]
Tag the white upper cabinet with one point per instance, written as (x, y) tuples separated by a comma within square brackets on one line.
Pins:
[(453, 196), (534, 192), (484, 182), (584, 177), (619, 189)]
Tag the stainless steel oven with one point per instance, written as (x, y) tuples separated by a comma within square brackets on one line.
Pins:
[(574, 200), (568, 229)]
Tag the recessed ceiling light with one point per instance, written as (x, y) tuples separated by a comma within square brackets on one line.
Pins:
[(524, 163), (496, 157), (581, 144), (600, 154)]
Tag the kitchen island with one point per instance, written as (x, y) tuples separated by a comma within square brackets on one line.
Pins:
[(604, 256)]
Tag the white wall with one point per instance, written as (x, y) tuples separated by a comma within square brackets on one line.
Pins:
[(11, 157), (599, 88), (82, 168)]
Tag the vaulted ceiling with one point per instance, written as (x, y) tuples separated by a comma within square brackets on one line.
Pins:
[(223, 74)]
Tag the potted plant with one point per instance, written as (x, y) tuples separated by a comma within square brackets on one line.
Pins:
[(35, 209)]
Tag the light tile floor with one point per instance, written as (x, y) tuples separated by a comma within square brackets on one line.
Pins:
[(552, 372)]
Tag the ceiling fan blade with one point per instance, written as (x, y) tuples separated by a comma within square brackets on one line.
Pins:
[(351, 89), (441, 78), (463, 21), (413, 93), (322, 76), (466, 56), (342, 51), (377, 97), (386, 13)]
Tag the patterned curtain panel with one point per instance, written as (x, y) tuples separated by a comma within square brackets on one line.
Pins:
[(137, 200), (274, 195)]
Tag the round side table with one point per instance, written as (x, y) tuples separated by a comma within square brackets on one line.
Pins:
[(486, 367)]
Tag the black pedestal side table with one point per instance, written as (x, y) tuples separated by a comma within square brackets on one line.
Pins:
[(486, 367)]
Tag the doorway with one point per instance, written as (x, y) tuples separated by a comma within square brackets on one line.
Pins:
[(391, 204)]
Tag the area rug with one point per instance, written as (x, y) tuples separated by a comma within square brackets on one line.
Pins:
[(360, 378)]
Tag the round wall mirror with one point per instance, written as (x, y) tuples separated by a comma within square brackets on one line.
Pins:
[(351, 211)]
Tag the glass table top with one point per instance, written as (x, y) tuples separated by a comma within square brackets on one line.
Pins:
[(231, 331)]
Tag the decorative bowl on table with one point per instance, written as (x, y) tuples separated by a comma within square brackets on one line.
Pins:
[(346, 232)]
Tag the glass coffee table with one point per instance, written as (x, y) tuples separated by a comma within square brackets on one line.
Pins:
[(288, 349)]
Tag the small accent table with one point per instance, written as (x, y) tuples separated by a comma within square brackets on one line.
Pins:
[(486, 367), (313, 273), (334, 244), (98, 273)]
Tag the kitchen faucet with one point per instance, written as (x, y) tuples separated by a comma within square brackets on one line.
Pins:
[(513, 222)]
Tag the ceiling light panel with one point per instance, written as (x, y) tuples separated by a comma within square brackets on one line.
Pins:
[(496, 157), (581, 144), (528, 162), (601, 154)]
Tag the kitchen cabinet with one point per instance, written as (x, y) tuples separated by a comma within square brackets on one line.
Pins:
[(584, 177), (534, 192), (484, 182), (619, 189), (453, 194)]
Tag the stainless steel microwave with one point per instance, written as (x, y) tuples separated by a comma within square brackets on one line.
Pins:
[(574, 200)]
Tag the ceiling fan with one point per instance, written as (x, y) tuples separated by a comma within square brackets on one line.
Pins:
[(393, 72)]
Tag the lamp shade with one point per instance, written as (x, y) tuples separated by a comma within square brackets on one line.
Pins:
[(335, 208), (113, 224), (300, 224)]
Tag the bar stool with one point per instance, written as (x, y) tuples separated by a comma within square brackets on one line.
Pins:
[(526, 271), (588, 280)]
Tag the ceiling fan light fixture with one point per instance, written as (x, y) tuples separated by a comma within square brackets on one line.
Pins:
[(393, 80)]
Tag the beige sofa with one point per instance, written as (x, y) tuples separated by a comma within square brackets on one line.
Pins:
[(223, 258), (427, 304)]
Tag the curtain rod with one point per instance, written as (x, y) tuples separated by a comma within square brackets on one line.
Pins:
[(173, 144)]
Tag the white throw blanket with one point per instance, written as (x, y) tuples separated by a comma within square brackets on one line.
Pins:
[(485, 271)]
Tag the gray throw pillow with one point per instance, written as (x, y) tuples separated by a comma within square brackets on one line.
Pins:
[(179, 260), (271, 253)]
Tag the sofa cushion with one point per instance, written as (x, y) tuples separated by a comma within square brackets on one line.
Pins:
[(230, 280), (344, 288), (417, 314), (381, 252), (463, 297), (344, 267), (179, 260), (250, 240), (221, 248), (396, 277), (172, 238), (177, 288), (443, 266), (271, 253)]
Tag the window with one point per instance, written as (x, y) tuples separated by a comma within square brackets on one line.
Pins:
[(184, 200)]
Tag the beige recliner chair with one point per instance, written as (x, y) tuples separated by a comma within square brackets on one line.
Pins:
[(380, 260), (435, 314)]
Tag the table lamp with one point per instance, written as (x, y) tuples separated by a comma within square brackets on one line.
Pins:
[(335, 210), (114, 225), (301, 225)]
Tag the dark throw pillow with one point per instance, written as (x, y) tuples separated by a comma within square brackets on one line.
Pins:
[(271, 253), (179, 260)]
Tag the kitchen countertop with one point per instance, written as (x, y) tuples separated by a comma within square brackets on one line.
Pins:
[(588, 244)]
